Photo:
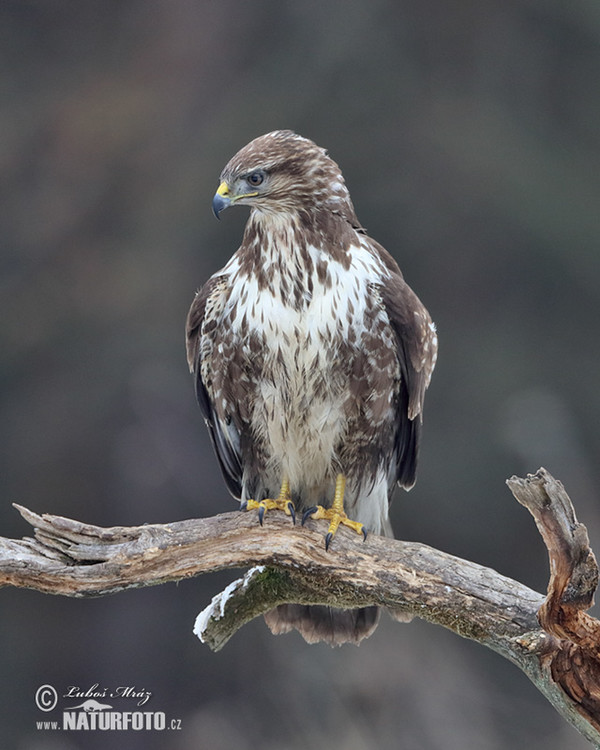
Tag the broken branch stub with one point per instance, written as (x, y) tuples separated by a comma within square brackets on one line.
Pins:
[(71, 558), (573, 658)]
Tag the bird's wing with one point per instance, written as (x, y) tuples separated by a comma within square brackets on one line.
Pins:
[(416, 346), (203, 318)]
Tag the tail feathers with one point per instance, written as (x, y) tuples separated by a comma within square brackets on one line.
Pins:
[(319, 623)]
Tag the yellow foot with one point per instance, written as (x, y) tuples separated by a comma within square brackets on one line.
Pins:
[(283, 502), (336, 515)]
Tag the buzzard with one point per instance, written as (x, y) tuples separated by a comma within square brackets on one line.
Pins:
[(311, 356)]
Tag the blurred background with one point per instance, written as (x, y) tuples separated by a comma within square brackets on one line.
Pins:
[(469, 137)]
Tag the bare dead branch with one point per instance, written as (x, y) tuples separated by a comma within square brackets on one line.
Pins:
[(71, 558), (573, 663)]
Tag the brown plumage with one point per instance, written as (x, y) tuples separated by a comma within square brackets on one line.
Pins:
[(311, 354)]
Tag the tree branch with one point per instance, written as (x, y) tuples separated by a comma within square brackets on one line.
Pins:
[(291, 565), (572, 658)]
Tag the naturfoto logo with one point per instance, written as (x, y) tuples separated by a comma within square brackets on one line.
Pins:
[(93, 711)]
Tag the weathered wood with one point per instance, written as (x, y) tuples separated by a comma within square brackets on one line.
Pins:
[(74, 559), (71, 558), (573, 662)]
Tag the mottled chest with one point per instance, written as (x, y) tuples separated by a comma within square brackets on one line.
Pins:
[(298, 309)]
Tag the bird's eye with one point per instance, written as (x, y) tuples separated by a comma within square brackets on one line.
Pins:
[(256, 178)]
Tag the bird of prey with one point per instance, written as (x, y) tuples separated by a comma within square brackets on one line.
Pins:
[(311, 356)]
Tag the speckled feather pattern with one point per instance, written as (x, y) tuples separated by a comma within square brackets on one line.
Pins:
[(311, 352)]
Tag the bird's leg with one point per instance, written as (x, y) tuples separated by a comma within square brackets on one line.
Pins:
[(336, 515), (283, 502)]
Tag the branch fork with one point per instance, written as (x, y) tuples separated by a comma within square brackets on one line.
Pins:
[(552, 639)]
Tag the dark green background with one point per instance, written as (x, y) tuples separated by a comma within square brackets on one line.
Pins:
[(468, 134)]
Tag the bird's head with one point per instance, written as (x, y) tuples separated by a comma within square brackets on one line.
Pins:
[(282, 172)]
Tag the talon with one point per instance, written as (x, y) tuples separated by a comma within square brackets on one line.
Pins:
[(308, 513), (336, 514), (283, 502)]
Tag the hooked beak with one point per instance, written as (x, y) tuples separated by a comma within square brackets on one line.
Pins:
[(221, 201)]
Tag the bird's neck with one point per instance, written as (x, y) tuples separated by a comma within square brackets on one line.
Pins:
[(284, 236), (287, 254), (275, 253)]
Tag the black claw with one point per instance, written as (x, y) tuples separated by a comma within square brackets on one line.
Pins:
[(364, 533), (244, 505), (292, 510), (261, 514), (308, 513), (328, 539)]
